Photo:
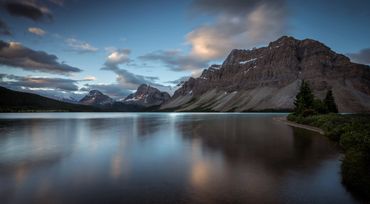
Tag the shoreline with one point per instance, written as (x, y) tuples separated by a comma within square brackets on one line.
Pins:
[(293, 124)]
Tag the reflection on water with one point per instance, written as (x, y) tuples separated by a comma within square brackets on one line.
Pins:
[(164, 158)]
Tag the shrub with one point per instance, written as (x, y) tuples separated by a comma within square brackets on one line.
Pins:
[(355, 172), (309, 112), (352, 139)]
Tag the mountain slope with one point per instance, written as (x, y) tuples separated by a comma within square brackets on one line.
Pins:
[(268, 78), (11, 101), (96, 98)]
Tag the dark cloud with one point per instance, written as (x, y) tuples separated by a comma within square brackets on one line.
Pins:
[(232, 7), (57, 2), (15, 55), (4, 28), (28, 9), (175, 60), (130, 80), (363, 56), (127, 78), (30, 82)]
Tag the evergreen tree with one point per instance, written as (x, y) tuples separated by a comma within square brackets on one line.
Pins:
[(329, 102), (320, 107), (304, 100)]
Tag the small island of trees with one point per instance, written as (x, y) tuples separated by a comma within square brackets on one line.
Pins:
[(306, 104)]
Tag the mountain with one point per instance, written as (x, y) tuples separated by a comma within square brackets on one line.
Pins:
[(147, 96), (15, 101), (268, 78), (96, 98)]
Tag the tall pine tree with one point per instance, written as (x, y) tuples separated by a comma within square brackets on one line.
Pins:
[(329, 102), (304, 99)]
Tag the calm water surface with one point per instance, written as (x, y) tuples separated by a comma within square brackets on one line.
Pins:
[(164, 158)]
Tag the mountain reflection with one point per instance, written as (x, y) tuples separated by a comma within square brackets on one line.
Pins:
[(164, 158), (247, 157), (278, 146)]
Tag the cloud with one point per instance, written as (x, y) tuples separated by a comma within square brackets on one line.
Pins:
[(57, 2), (112, 90), (90, 78), (4, 29), (231, 7), (57, 88), (238, 24), (363, 56), (175, 60), (33, 82), (28, 9), (15, 55), (179, 80), (125, 79), (129, 80), (80, 46), (37, 31), (117, 57)]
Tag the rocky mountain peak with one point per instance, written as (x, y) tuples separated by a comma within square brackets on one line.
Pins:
[(144, 89), (284, 40), (147, 96), (95, 93), (96, 98)]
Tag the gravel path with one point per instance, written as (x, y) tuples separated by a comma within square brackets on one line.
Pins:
[(307, 127)]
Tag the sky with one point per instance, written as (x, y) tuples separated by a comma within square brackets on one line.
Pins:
[(65, 48)]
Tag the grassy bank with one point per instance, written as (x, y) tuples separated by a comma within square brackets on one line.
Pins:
[(352, 132)]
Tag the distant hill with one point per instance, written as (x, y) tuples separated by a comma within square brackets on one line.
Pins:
[(15, 101), (268, 79)]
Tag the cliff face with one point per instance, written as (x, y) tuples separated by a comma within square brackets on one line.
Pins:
[(268, 78)]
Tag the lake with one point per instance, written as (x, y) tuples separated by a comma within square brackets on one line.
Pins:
[(165, 158)]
